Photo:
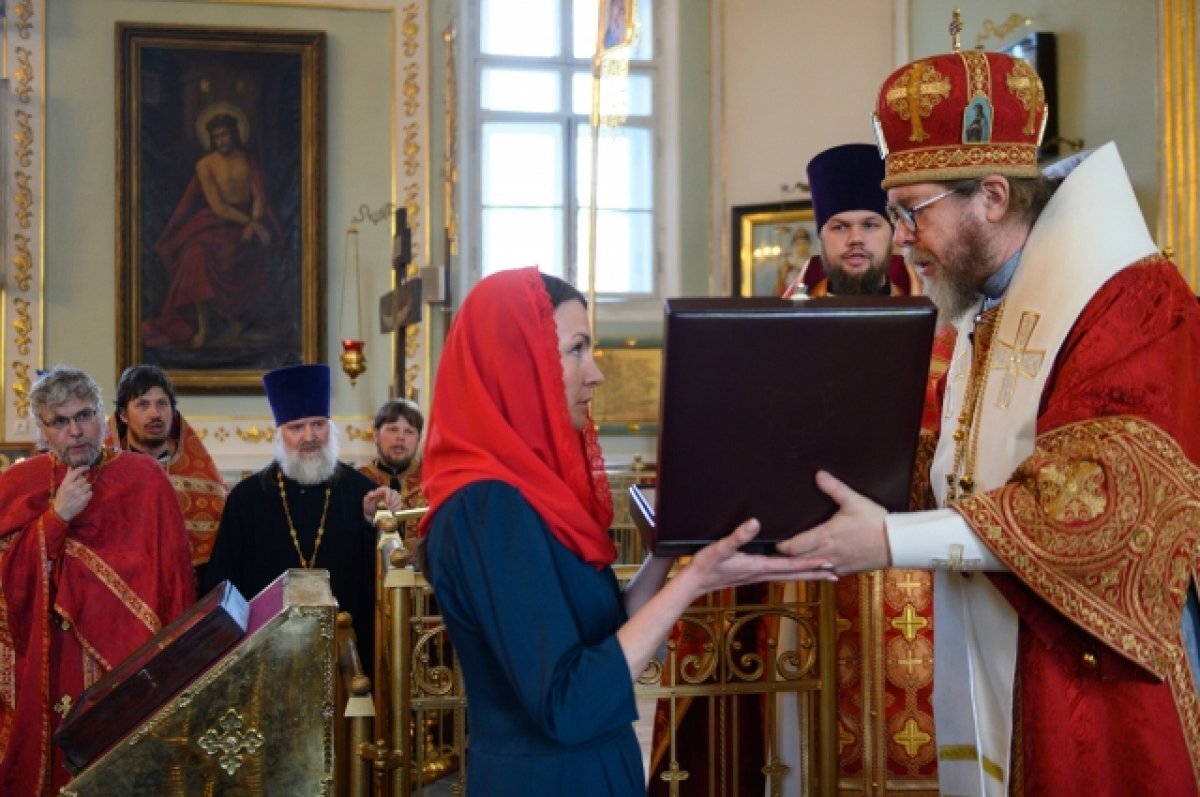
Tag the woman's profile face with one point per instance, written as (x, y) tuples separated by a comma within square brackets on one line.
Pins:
[(580, 372)]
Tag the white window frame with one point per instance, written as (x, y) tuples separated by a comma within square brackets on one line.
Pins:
[(663, 125)]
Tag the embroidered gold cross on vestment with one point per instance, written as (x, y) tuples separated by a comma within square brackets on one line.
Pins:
[(1015, 359)]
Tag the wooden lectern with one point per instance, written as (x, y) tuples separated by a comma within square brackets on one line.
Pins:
[(258, 720)]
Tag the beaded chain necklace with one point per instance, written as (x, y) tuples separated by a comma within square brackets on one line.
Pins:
[(311, 561), (966, 437)]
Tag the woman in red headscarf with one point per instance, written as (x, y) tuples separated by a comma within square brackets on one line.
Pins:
[(516, 548)]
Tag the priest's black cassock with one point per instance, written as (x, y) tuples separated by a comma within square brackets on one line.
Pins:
[(254, 545)]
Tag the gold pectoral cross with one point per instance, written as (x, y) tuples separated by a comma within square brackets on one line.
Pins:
[(955, 560), (1016, 359)]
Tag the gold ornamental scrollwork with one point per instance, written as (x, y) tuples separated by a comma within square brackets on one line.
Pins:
[(24, 137), (255, 435), (23, 326), (410, 30), (23, 75), (23, 199), (231, 741), (412, 149), (1011, 23), (412, 89), (22, 262), (22, 14), (20, 388)]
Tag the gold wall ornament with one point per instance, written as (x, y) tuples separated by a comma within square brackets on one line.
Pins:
[(22, 261), (255, 435), (23, 18), (23, 198), (20, 388), (1011, 23), (1178, 136), (23, 326), (23, 137), (23, 75)]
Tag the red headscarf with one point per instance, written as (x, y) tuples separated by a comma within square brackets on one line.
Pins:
[(500, 412)]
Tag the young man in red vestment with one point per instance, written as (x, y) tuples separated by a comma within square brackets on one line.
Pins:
[(397, 464), (147, 420), (94, 561), (1067, 473)]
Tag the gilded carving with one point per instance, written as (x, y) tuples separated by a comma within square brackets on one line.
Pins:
[(23, 199), (990, 28), (20, 388), (412, 89), (23, 326), (255, 435), (22, 262), (24, 137), (23, 75), (22, 15), (412, 149), (410, 30)]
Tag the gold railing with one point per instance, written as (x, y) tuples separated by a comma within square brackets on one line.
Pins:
[(723, 650)]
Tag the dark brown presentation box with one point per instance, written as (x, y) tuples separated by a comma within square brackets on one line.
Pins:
[(127, 695), (759, 394)]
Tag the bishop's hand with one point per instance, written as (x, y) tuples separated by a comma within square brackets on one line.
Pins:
[(854, 540)]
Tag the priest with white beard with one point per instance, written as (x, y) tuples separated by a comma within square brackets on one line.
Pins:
[(305, 509)]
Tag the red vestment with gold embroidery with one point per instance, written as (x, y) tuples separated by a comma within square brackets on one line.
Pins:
[(1101, 529), (78, 598)]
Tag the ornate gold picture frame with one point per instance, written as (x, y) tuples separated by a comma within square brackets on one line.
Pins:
[(628, 401), (770, 243), (220, 201)]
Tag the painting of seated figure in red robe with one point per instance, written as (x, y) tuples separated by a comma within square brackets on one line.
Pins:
[(221, 169)]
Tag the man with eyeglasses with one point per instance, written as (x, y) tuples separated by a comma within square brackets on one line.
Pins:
[(148, 421), (305, 509), (94, 561), (1067, 533)]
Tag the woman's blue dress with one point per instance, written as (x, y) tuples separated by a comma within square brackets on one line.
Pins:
[(550, 702)]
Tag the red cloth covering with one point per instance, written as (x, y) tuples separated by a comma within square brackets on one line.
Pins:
[(77, 599), (197, 481), (500, 413), (1105, 702), (210, 261)]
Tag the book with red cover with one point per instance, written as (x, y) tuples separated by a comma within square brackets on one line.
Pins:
[(135, 688)]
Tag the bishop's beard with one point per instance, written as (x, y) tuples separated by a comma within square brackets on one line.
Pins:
[(309, 467)]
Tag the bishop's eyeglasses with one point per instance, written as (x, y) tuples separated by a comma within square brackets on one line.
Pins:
[(899, 213)]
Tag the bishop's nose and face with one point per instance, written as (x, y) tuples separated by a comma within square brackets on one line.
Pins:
[(148, 418), (580, 372), (306, 437), (396, 443), (74, 431)]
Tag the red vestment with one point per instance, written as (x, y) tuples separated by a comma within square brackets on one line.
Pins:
[(197, 481), (411, 496), (210, 261), (1100, 527), (78, 598)]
